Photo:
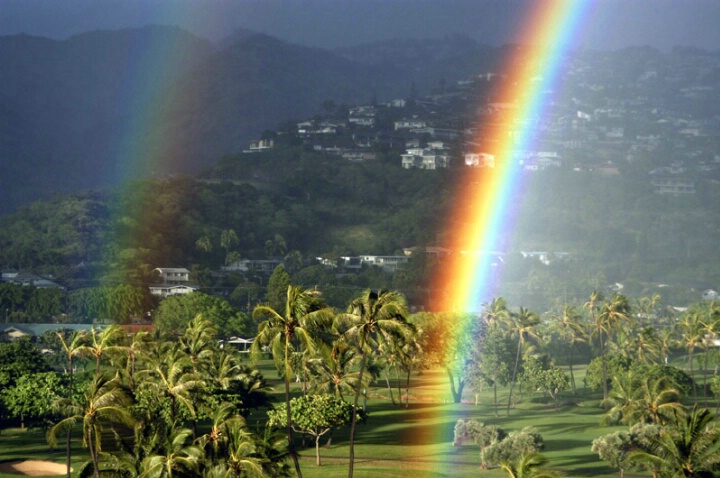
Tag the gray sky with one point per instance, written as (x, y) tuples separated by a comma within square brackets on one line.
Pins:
[(330, 23)]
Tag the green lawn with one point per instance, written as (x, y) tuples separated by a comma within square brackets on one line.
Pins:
[(417, 441)]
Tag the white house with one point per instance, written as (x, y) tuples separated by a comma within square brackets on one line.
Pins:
[(173, 275), (480, 160), (168, 290)]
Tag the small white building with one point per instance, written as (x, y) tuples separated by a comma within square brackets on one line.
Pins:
[(173, 275), (168, 290)]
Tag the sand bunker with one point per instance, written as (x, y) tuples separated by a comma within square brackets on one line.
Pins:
[(33, 468)]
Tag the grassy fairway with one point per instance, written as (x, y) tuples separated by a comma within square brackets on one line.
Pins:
[(417, 441), (31, 444)]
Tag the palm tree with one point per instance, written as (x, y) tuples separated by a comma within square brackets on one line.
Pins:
[(71, 348), (666, 341), (198, 342), (690, 449), (371, 317), (204, 244), (105, 402), (228, 238), (521, 325), (177, 458), (709, 326), (103, 342), (645, 344), (691, 336), (243, 458), (170, 375), (610, 316), (570, 329), (593, 306), (642, 399), (228, 379), (331, 370), (657, 401), (304, 316), (229, 447), (527, 466), (135, 349), (411, 356)]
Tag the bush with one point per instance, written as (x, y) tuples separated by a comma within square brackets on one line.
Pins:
[(674, 377), (515, 445), (616, 365)]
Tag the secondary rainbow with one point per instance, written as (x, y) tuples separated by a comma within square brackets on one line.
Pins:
[(486, 205)]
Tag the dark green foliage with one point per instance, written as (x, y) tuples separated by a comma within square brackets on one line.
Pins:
[(277, 288), (20, 357), (616, 365), (673, 376), (175, 313), (31, 398)]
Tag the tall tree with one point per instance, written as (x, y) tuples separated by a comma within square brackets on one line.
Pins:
[(691, 335), (105, 402), (371, 317), (204, 244), (72, 347), (228, 238), (102, 342), (522, 325), (303, 316), (569, 328), (606, 318)]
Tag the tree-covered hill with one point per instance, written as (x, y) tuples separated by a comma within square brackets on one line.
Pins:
[(292, 199)]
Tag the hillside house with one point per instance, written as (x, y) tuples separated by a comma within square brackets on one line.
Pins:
[(260, 146), (29, 279), (265, 266), (173, 275), (480, 160), (674, 185), (173, 281), (410, 124), (168, 290)]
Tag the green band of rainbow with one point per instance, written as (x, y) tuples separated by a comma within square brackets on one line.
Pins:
[(488, 199)]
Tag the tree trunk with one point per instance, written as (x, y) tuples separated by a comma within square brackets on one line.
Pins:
[(456, 391), (68, 435), (512, 383), (317, 450), (705, 380), (407, 388), (291, 445), (690, 360), (353, 422), (604, 367), (387, 382), (570, 363), (496, 400), (93, 454), (399, 385)]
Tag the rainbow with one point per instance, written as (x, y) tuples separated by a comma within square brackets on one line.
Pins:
[(487, 203)]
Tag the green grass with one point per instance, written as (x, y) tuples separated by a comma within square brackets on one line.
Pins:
[(417, 441)]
